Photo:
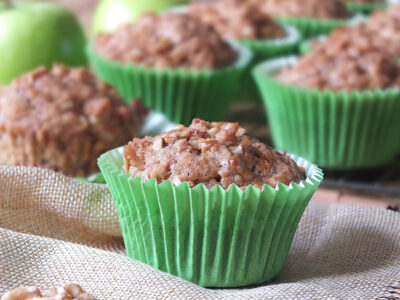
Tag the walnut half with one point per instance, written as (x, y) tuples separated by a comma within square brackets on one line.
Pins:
[(68, 292)]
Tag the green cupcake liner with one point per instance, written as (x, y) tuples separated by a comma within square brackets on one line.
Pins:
[(214, 238), (365, 7), (336, 130), (310, 27), (262, 50), (180, 94)]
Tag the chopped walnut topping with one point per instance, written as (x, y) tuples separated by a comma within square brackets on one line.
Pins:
[(68, 292), (209, 153)]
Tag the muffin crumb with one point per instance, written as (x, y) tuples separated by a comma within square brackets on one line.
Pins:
[(68, 292)]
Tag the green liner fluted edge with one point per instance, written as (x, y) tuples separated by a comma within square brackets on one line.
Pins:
[(179, 94), (365, 7), (310, 27), (262, 50), (336, 130), (215, 238)]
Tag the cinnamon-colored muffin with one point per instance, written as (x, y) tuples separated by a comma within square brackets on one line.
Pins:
[(332, 9), (63, 120), (209, 153), (167, 41), (343, 71), (238, 19)]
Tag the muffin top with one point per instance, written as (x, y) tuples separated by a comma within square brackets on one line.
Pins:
[(209, 153), (238, 20), (68, 102), (167, 41), (319, 70), (320, 9)]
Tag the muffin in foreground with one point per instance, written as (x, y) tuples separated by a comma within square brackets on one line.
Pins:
[(243, 21), (174, 62), (339, 111), (312, 17), (209, 204), (63, 120)]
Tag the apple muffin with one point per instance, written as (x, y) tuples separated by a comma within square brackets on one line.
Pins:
[(63, 120), (320, 70), (167, 41), (238, 19), (332, 9), (211, 154)]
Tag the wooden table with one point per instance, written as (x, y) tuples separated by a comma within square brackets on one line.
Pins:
[(253, 119)]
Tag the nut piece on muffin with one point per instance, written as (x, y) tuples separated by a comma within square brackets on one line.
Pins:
[(63, 120), (238, 19), (318, 70), (209, 153), (319, 9), (167, 41), (68, 292)]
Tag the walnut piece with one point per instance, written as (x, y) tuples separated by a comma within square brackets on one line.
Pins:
[(68, 292)]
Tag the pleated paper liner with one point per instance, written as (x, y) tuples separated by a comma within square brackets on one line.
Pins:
[(180, 94), (336, 130), (214, 238), (262, 50), (365, 7), (310, 27)]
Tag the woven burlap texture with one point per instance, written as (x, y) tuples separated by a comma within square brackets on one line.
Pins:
[(55, 230)]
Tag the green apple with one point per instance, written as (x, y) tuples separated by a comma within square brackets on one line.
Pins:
[(111, 13), (37, 33)]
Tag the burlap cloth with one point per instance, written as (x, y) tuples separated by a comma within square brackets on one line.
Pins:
[(51, 225)]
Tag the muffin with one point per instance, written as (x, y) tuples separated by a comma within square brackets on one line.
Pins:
[(312, 17), (245, 22), (338, 110), (63, 120), (208, 203), (177, 64)]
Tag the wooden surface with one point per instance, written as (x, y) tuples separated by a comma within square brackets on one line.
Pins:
[(252, 117)]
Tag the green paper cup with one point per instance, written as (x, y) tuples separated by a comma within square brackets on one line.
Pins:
[(365, 7), (180, 94), (214, 238), (336, 130), (262, 50), (310, 27)]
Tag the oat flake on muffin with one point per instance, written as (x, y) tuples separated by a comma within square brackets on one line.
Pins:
[(167, 41), (238, 19), (209, 153), (63, 120)]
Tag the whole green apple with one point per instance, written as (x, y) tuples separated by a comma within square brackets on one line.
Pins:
[(111, 13), (37, 33)]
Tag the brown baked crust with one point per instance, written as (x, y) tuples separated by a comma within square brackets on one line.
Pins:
[(332, 9), (167, 41), (318, 70), (238, 19), (209, 153), (63, 120), (68, 292)]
